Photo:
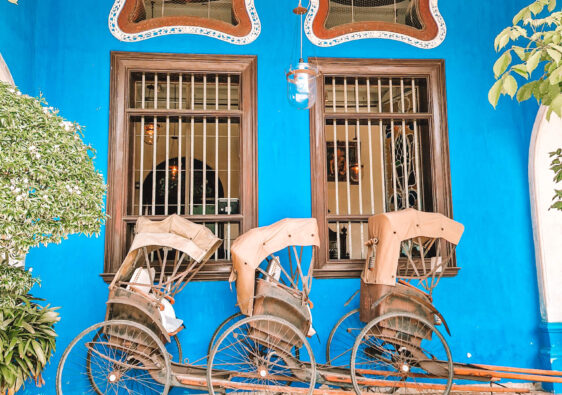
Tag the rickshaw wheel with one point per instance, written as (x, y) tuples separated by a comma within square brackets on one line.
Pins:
[(258, 354), (116, 356), (176, 341), (404, 353), (223, 325), (341, 339)]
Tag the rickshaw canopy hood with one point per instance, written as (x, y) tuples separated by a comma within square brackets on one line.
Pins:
[(251, 248), (390, 229), (175, 232)]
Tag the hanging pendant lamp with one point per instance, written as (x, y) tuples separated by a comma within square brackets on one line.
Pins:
[(302, 76)]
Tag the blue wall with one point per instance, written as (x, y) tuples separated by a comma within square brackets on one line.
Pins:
[(491, 306)]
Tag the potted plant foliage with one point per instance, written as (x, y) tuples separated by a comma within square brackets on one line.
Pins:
[(27, 336), (49, 189), (531, 51)]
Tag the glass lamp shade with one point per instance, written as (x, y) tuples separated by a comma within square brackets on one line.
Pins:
[(301, 85)]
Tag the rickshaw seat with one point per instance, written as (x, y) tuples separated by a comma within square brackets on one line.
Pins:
[(141, 282)]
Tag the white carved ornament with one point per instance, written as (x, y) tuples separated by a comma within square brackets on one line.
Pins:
[(161, 31), (442, 31)]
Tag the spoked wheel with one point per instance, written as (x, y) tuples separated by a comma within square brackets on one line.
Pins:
[(114, 357), (174, 349), (219, 331), (401, 353), (259, 355), (342, 337)]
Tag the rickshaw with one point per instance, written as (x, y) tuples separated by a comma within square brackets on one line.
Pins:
[(391, 342), (268, 350), (126, 353)]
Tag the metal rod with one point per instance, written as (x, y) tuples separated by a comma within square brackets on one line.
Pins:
[(193, 91), (392, 142), (404, 148), (179, 160), (204, 168), (141, 169), (192, 162), (336, 170), (382, 149), (180, 96), (348, 183), (358, 135), (229, 211), (167, 171), (416, 146), (154, 146), (155, 90)]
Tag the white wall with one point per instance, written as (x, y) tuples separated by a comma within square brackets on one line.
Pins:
[(547, 223)]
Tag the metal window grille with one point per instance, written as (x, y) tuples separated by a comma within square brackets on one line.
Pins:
[(185, 132), (376, 132), (402, 12), (220, 10)]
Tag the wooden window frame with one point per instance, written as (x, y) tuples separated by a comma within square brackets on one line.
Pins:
[(122, 64), (434, 71)]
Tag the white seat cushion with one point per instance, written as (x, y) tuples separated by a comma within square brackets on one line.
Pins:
[(169, 320), (142, 279)]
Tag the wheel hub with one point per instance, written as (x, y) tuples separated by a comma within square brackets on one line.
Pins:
[(114, 376), (262, 371)]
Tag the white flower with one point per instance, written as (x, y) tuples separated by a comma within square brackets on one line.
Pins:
[(18, 93), (11, 90), (68, 126)]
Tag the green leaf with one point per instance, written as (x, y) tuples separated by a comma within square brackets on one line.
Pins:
[(28, 327), (510, 85), (502, 63), (520, 51), (38, 352), (556, 105), (555, 77), (537, 7), (495, 92), (521, 69), (533, 61), (554, 54), (521, 15), (502, 42)]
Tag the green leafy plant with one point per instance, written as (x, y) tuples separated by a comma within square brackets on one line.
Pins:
[(14, 282), (535, 55), (556, 167), (27, 336), (49, 187), (27, 341)]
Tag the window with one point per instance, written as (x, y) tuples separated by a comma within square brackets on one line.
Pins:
[(378, 143), (416, 22), (234, 21), (182, 141)]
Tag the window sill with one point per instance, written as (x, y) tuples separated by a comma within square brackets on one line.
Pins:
[(334, 270), (214, 271)]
